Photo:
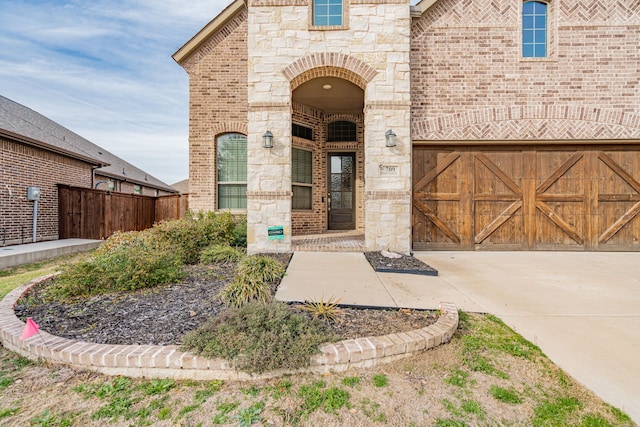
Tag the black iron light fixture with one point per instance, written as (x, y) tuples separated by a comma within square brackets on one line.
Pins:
[(390, 138), (267, 139)]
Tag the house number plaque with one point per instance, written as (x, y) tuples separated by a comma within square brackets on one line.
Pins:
[(389, 170)]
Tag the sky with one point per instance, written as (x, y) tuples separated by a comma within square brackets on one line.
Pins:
[(103, 69)]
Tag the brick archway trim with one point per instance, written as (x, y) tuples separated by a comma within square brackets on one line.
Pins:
[(329, 64), (537, 122), (229, 127)]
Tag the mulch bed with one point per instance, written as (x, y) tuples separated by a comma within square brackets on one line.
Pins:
[(162, 315), (403, 264)]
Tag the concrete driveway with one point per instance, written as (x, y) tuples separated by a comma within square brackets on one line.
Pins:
[(581, 309)]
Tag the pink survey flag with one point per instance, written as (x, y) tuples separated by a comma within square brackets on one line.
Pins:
[(30, 329)]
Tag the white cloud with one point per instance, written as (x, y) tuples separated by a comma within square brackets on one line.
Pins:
[(103, 69)]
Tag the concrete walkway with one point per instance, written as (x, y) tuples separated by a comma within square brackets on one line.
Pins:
[(349, 278), (581, 309), (32, 252)]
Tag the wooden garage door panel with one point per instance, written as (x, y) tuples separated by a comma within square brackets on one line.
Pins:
[(620, 225), (438, 214), (437, 223), (437, 172), (498, 173), (560, 226), (499, 225), (497, 216), (534, 198), (560, 173), (619, 200), (561, 183)]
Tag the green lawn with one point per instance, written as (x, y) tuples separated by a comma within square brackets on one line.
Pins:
[(487, 375), (11, 278)]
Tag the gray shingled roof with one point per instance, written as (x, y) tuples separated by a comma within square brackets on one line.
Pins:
[(182, 186), (19, 121)]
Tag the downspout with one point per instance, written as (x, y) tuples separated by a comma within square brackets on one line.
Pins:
[(93, 175)]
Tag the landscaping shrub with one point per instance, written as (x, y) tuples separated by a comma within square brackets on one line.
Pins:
[(259, 337), (138, 259), (254, 280), (125, 262), (240, 233), (244, 289), (215, 254), (261, 267), (327, 311), (191, 234)]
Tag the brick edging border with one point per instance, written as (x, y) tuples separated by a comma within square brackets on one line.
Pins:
[(155, 361)]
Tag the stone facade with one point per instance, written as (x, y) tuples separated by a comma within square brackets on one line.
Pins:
[(443, 72), (375, 38)]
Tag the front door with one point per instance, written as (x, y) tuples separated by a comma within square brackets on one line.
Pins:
[(341, 191)]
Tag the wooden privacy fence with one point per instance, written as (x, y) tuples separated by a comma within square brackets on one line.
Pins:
[(86, 213), (171, 207)]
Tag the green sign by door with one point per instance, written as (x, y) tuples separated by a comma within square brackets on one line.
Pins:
[(276, 233)]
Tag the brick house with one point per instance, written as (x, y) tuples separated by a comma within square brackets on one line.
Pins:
[(38, 152), (449, 124)]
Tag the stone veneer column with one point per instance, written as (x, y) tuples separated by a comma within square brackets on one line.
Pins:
[(388, 106), (269, 95), (387, 178), (268, 177), (377, 36)]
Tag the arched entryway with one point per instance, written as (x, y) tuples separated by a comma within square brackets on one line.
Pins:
[(328, 152), (288, 186)]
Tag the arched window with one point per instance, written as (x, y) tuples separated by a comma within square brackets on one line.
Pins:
[(534, 29), (341, 131), (231, 151)]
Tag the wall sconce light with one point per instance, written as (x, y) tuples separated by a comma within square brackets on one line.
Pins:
[(267, 140), (390, 138)]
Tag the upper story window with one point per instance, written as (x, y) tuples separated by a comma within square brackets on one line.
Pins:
[(327, 13), (341, 131), (231, 152), (137, 189), (534, 29), (302, 131)]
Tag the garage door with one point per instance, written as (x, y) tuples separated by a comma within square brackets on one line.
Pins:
[(526, 198)]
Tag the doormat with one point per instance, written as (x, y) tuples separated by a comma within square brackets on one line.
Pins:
[(398, 263)]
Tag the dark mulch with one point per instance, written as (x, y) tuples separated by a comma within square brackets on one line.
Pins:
[(403, 264), (152, 316), (162, 315)]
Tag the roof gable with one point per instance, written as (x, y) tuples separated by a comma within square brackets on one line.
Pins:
[(215, 25), (421, 7)]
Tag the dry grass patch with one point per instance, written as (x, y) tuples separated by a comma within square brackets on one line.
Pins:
[(436, 388)]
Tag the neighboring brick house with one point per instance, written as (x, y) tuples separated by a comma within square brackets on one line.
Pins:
[(450, 124), (182, 186), (37, 152)]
